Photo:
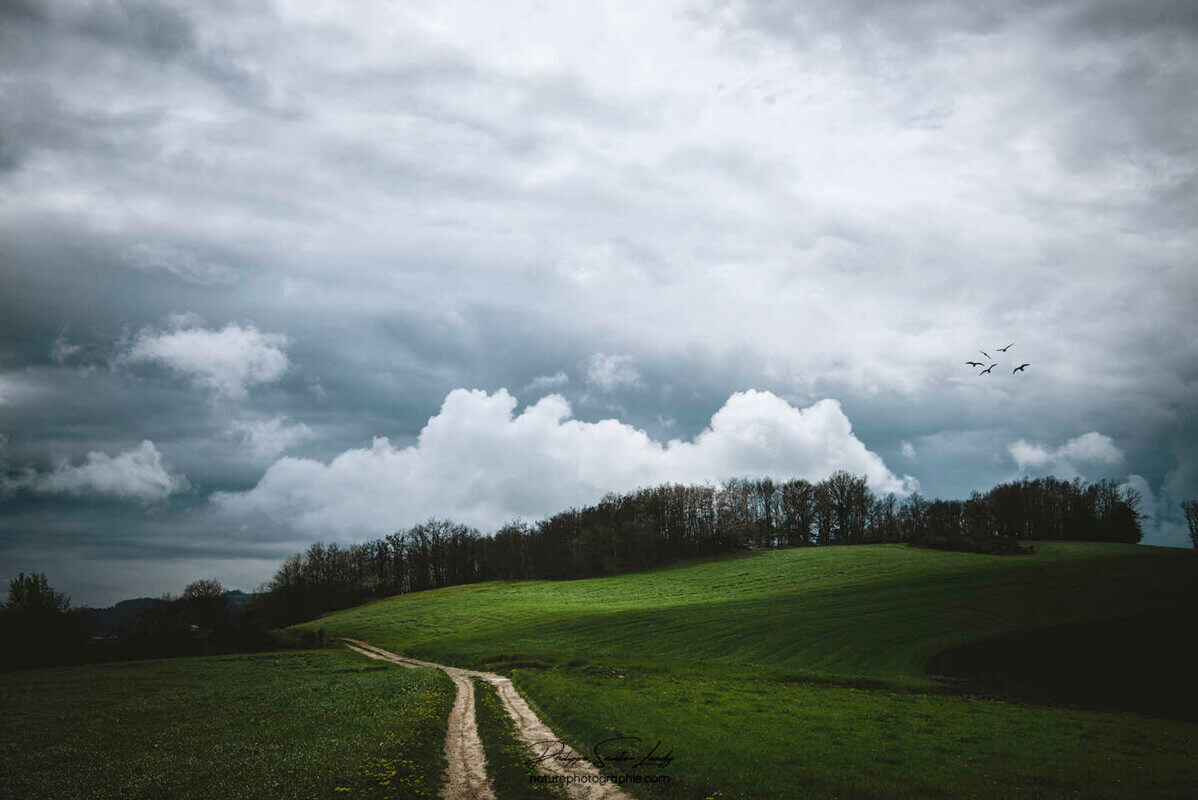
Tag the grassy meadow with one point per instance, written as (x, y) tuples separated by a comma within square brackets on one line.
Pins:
[(294, 724), (508, 766), (746, 738), (799, 673), (869, 611), (779, 674)]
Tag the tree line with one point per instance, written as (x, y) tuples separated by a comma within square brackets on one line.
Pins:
[(653, 526), (622, 532), (38, 626)]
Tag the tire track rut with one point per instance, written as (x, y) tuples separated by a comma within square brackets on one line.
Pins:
[(466, 773)]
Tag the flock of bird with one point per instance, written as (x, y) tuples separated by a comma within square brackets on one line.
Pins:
[(994, 364)]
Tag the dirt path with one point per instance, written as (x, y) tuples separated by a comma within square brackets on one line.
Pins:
[(466, 773)]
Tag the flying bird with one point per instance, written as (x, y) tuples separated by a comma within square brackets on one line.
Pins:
[(1005, 349), (987, 355), (974, 363), (987, 369), (1019, 368)]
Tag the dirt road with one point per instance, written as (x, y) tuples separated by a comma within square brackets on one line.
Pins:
[(466, 773)]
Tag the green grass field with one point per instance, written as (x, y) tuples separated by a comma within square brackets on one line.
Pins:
[(771, 739), (508, 766), (872, 611), (295, 724), (798, 673)]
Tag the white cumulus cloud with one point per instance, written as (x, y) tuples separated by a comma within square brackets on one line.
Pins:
[(1063, 461), (227, 361), (16, 388), (181, 262), (62, 349), (608, 372), (269, 438), (1161, 517), (139, 473), (481, 463), (544, 382)]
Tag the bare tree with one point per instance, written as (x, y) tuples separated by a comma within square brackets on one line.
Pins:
[(851, 502), (204, 603), (798, 511), (1190, 507)]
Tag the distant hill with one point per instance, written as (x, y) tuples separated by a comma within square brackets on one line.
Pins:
[(120, 618), (238, 598)]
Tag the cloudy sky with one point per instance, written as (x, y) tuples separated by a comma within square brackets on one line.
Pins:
[(279, 272)]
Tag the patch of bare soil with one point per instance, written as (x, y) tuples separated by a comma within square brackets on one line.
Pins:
[(1142, 664)]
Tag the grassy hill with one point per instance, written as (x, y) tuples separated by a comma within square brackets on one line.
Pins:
[(870, 611), (799, 673), (780, 674)]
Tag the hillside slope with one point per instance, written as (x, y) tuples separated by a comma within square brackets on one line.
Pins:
[(872, 611)]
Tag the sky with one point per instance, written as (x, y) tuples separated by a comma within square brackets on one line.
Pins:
[(280, 272)]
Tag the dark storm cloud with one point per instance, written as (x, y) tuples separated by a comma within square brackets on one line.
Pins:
[(21, 12), (157, 30), (160, 32), (915, 24), (910, 24), (1110, 18), (36, 119), (648, 209), (1122, 73)]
